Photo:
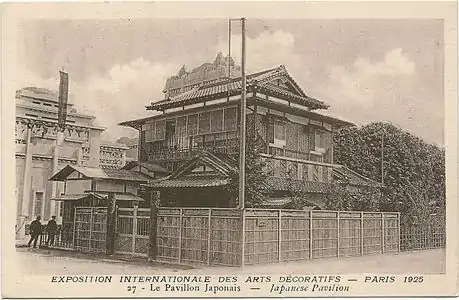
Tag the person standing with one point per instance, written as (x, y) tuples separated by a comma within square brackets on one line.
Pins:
[(51, 229), (35, 231)]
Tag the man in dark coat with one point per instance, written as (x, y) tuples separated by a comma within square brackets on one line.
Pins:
[(35, 231), (51, 229)]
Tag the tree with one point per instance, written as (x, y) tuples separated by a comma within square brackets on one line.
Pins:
[(341, 196), (256, 174), (413, 170)]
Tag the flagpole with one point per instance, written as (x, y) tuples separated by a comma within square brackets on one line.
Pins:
[(382, 158), (243, 121)]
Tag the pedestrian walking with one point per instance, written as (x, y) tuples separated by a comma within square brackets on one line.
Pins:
[(35, 231), (51, 229)]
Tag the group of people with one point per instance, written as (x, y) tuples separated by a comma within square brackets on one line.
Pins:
[(36, 230)]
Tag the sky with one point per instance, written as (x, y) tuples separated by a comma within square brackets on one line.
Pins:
[(366, 70)]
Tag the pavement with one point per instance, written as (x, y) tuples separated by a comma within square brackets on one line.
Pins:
[(50, 261)]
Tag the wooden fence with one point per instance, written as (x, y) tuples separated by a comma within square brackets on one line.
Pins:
[(132, 231), (90, 229), (288, 235), (199, 235), (214, 236), (422, 237)]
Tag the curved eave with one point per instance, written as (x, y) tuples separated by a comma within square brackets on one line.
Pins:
[(165, 104), (136, 123), (337, 122), (307, 101)]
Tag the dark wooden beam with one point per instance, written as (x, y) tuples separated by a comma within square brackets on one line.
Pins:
[(111, 219), (152, 245)]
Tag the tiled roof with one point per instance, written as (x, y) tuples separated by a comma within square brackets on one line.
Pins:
[(346, 175), (128, 175), (147, 165), (285, 184), (120, 196), (99, 195), (191, 182), (88, 172), (222, 87)]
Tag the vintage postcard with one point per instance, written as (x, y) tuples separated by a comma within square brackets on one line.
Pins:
[(229, 149)]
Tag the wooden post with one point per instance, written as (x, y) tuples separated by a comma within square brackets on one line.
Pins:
[(209, 232), (111, 219), (382, 233), (74, 226), (337, 234), (361, 233), (279, 238), (180, 236), (243, 238), (399, 237), (91, 215), (152, 245), (310, 234), (134, 227)]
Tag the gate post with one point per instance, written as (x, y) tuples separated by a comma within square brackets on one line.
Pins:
[(111, 219), (383, 229), (152, 250), (134, 228)]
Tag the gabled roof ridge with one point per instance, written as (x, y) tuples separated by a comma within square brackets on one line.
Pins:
[(207, 158), (360, 175), (236, 79)]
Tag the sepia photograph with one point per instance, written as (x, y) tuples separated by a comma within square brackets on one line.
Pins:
[(243, 155)]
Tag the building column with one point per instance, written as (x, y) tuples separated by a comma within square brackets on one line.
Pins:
[(79, 161), (26, 187), (123, 158), (53, 207)]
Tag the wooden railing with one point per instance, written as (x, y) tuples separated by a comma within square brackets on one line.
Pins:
[(230, 146), (298, 169)]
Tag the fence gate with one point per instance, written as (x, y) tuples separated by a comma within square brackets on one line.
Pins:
[(90, 229), (132, 231)]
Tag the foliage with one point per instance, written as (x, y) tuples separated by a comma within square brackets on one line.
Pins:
[(343, 197), (413, 172), (256, 189)]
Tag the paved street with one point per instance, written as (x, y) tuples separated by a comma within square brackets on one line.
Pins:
[(44, 262)]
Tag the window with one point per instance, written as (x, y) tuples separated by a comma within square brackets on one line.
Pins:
[(276, 132), (216, 121), (155, 131), (60, 209), (192, 126), (230, 119), (279, 133), (317, 140), (204, 122), (38, 203)]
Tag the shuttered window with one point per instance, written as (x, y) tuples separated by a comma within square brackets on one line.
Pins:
[(216, 121), (204, 122), (230, 119), (192, 124)]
